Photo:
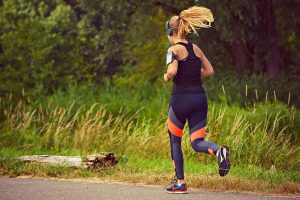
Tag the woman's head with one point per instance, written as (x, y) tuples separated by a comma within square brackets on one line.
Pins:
[(190, 19)]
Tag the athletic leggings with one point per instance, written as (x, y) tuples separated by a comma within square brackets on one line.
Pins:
[(192, 107)]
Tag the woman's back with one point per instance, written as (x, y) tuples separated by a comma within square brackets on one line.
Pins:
[(188, 77)]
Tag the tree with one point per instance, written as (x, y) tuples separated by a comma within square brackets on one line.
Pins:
[(38, 48), (247, 30)]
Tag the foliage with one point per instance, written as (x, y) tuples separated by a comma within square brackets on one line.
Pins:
[(62, 61), (37, 39), (137, 125), (158, 171), (46, 45)]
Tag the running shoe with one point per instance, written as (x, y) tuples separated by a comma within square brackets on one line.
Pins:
[(223, 160), (176, 188)]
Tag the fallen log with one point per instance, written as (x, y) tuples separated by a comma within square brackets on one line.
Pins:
[(94, 161), (100, 160)]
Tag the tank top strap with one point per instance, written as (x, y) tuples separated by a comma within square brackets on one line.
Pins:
[(189, 48)]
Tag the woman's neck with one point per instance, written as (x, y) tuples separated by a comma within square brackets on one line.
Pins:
[(176, 40)]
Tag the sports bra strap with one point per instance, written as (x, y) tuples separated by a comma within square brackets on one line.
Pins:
[(189, 48)]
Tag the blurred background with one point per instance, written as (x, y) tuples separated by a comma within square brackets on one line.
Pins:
[(88, 75), (50, 45)]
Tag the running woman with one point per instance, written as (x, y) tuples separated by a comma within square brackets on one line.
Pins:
[(187, 65)]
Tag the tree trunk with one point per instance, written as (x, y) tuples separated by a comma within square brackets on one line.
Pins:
[(239, 57), (238, 53), (267, 43), (272, 59)]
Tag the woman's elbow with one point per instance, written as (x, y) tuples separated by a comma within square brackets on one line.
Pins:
[(209, 72)]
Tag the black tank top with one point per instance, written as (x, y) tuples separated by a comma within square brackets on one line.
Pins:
[(188, 77)]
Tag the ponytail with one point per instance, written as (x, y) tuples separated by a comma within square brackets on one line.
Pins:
[(191, 19)]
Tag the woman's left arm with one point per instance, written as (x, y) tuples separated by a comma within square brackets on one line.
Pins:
[(172, 67)]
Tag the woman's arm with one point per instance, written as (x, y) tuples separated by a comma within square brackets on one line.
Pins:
[(172, 67), (207, 69)]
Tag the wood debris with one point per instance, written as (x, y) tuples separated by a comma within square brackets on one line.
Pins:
[(95, 161)]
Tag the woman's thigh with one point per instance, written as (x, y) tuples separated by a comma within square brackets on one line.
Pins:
[(197, 118)]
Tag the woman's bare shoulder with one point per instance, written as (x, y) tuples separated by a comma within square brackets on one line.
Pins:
[(197, 51), (176, 48)]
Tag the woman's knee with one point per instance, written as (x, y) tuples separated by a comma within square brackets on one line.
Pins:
[(196, 144), (174, 139)]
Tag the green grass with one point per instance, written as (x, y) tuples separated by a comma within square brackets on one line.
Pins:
[(138, 169), (263, 136)]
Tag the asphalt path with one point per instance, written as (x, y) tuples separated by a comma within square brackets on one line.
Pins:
[(53, 189)]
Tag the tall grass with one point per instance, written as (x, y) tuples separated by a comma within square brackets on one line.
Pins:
[(265, 135)]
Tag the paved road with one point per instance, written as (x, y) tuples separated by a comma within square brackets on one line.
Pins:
[(27, 188)]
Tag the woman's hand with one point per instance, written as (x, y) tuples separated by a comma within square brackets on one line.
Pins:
[(166, 77)]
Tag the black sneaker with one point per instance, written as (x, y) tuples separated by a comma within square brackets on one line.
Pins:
[(177, 189), (223, 160)]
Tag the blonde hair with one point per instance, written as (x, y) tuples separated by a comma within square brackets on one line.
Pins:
[(191, 19)]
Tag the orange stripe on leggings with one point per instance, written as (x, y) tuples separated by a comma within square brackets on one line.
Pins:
[(198, 134), (174, 129)]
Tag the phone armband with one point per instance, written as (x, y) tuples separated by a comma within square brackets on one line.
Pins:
[(170, 57)]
